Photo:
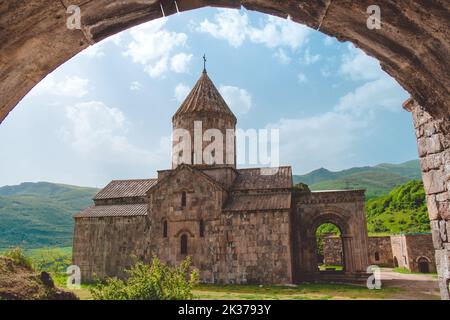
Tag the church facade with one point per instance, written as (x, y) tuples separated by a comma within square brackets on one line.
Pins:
[(237, 225)]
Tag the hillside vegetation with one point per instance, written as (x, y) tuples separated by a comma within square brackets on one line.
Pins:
[(377, 180), (40, 214), (402, 210), (36, 215)]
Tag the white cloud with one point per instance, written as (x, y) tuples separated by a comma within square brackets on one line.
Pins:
[(380, 94), (358, 66), (101, 132), (325, 139), (153, 46), (98, 50), (281, 56), (309, 58), (180, 62), (135, 86), (181, 92), (70, 86), (328, 138), (228, 24), (234, 26), (239, 100), (301, 77)]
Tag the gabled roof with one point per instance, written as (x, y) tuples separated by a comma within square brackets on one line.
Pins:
[(125, 189), (263, 178), (259, 202), (121, 210), (204, 98), (192, 169)]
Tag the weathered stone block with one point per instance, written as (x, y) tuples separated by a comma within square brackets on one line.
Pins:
[(436, 234), (432, 206), (429, 145), (433, 182), (430, 162)]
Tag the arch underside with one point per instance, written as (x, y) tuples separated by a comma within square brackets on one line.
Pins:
[(413, 44)]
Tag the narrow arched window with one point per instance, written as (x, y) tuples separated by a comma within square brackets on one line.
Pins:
[(202, 228), (183, 199), (165, 229), (377, 256), (183, 244)]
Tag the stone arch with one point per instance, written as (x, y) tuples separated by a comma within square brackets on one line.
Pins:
[(413, 39), (412, 46), (344, 209), (423, 264), (184, 231)]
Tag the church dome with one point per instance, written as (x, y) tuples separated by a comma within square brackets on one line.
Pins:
[(204, 99)]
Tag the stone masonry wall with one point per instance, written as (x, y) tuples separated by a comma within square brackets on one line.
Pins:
[(382, 246), (433, 141), (108, 245), (257, 248), (332, 251), (399, 251), (420, 246)]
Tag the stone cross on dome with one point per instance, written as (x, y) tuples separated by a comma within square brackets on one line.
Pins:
[(204, 63)]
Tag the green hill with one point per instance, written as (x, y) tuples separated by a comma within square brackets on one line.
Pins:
[(40, 214), (377, 180), (401, 210)]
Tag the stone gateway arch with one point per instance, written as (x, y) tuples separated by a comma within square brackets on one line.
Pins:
[(413, 46)]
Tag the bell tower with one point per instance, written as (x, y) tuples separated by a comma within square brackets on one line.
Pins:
[(204, 128)]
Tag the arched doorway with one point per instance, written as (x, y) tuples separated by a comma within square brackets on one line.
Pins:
[(423, 265), (395, 262), (330, 253), (344, 210)]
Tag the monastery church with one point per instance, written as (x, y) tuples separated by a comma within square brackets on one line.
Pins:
[(237, 225)]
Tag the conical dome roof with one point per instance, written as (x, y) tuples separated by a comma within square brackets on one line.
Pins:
[(204, 98)]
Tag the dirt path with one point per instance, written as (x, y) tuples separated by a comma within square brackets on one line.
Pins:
[(414, 286)]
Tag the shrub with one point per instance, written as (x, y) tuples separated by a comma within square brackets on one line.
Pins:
[(150, 282), (19, 257)]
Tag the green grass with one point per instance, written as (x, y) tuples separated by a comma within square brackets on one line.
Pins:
[(407, 271), (307, 291)]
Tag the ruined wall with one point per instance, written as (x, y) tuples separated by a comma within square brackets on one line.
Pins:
[(420, 246), (105, 246), (433, 141), (380, 247), (399, 251), (256, 248), (332, 251)]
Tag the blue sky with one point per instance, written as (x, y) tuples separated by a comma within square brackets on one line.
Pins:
[(106, 113)]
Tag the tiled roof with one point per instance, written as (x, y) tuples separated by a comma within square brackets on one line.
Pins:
[(258, 202), (125, 189), (121, 210), (204, 97), (258, 178)]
